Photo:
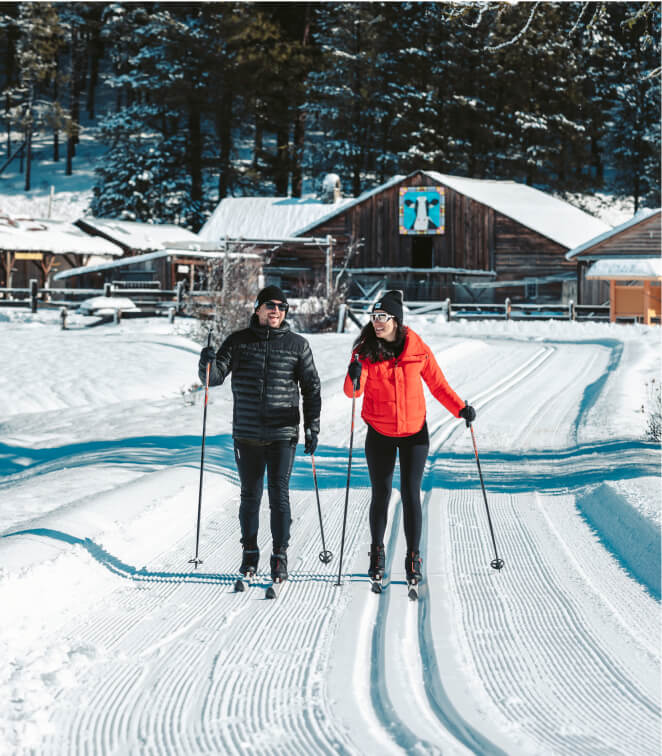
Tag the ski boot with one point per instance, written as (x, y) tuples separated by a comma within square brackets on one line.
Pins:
[(249, 561), (278, 572), (413, 570), (377, 566)]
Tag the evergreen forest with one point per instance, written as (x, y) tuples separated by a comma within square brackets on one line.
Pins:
[(193, 102)]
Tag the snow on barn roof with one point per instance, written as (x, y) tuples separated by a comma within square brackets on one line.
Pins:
[(143, 236), (56, 237), (279, 217), (554, 218), (637, 218), (268, 218), (632, 269), (137, 259)]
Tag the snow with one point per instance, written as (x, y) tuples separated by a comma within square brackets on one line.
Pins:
[(115, 644), (58, 237), (631, 269), (106, 305), (141, 236)]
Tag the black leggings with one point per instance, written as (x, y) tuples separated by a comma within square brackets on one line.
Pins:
[(252, 459), (380, 455)]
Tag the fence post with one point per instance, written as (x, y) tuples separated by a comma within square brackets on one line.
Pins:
[(448, 309), (63, 317), (107, 290), (34, 293), (342, 317), (171, 314), (508, 308), (572, 312), (117, 316), (180, 289)]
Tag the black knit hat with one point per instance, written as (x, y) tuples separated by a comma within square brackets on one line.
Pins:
[(391, 302), (268, 293)]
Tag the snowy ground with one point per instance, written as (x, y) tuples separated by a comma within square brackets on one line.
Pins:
[(113, 644)]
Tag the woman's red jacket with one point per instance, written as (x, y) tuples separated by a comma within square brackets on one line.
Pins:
[(393, 402)]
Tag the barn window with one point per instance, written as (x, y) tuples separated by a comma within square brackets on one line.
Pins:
[(421, 252)]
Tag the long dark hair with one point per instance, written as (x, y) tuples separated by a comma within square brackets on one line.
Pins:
[(369, 347)]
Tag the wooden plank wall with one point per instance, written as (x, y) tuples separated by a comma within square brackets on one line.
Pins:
[(644, 239)]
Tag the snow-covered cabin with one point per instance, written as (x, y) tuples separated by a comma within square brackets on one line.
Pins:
[(623, 266), (36, 248), (430, 234)]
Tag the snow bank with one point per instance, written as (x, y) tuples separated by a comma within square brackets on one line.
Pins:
[(632, 538)]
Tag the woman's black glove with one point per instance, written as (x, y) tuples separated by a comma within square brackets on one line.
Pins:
[(208, 354), (468, 413), (311, 441), (354, 372)]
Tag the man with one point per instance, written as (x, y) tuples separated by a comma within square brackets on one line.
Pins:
[(269, 364)]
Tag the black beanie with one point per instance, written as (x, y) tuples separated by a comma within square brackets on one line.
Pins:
[(390, 302), (269, 293)]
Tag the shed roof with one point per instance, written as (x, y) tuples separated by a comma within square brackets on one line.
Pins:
[(632, 269), (637, 218), (138, 259), (279, 217), (134, 235), (51, 236)]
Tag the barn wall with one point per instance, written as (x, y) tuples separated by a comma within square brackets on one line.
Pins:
[(641, 240)]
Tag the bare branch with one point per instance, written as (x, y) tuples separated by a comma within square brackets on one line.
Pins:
[(519, 35)]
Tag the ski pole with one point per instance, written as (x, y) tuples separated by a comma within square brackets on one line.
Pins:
[(196, 561), (496, 563), (325, 556), (349, 470)]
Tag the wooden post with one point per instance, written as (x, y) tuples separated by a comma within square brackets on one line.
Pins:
[(63, 318), (612, 301), (171, 314), (107, 290), (342, 317), (572, 313), (180, 288), (34, 293), (449, 311), (508, 308), (329, 266), (647, 303)]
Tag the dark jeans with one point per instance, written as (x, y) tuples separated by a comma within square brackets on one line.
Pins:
[(380, 453), (252, 459)]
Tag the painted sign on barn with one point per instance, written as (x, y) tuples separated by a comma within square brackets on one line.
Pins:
[(421, 210)]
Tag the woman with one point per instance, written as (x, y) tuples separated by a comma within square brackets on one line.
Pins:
[(388, 362)]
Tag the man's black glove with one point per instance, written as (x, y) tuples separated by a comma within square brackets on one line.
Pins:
[(311, 441), (354, 373), (208, 354), (468, 413)]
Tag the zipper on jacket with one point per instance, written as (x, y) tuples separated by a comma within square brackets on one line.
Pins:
[(266, 366)]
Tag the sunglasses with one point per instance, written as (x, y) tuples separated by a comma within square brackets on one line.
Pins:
[(282, 306), (380, 317)]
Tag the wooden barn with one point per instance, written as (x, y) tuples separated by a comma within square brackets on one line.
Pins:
[(623, 267), (32, 248), (430, 234)]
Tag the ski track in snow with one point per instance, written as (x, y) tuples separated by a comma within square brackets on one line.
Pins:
[(556, 654)]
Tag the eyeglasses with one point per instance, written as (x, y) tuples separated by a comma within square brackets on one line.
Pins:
[(380, 317), (282, 306)]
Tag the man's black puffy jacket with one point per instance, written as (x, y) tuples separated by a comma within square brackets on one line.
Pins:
[(268, 366)]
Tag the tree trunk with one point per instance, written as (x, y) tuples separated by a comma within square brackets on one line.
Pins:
[(74, 104), (224, 128), (96, 51), (299, 134), (195, 150), (56, 126), (281, 178), (259, 131), (8, 107)]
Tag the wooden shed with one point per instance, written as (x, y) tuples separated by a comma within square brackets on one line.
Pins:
[(622, 267), (430, 234)]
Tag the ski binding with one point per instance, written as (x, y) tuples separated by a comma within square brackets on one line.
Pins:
[(377, 585), (243, 582), (413, 589), (274, 589)]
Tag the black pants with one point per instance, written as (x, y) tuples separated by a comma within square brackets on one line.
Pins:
[(380, 453), (277, 457)]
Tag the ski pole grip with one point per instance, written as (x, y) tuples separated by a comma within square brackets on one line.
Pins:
[(466, 420)]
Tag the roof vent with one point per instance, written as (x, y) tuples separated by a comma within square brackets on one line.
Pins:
[(331, 189)]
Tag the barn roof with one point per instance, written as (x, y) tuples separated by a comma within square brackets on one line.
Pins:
[(632, 269), (50, 236), (640, 217), (133, 235), (149, 256), (279, 217), (269, 218)]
